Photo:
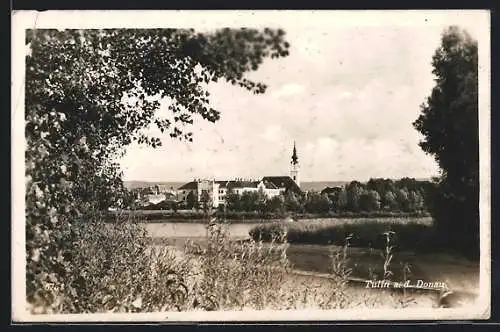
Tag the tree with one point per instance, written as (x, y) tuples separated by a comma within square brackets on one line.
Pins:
[(292, 203), (390, 200), (403, 199), (128, 200), (449, 124), (261, 200), (341, 203), (191, 200), (233, 201), (91, 93), (205, 200), (318, 203), (354, 191), (249, 201), (416, 201), (380, 185), (275, 204), (369, 201)]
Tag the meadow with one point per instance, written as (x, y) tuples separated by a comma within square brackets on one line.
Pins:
[(311, 242)]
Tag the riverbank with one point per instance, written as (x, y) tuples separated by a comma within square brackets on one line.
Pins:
[(310, 265), (251, 217), (457, 272)]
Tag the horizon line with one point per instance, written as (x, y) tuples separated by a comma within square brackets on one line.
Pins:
[(250, 178)]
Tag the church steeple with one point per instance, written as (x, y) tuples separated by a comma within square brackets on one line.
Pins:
[(294, 166), (295, 158)]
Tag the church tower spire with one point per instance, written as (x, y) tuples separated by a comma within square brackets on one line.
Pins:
[(294, 166), (295, 158)]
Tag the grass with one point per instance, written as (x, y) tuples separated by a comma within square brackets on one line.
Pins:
[(122, 268), (253, 216), (458, 272), (411, 233), (365, 261)]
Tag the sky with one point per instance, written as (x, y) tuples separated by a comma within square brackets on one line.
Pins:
[(347, 95)]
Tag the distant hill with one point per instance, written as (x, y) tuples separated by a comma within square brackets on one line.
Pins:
[(304, 185), (143, 184), (320, 185)]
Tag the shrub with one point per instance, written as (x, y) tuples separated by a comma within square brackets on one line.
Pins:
[(365, 233), (238, 275), (114, 268), (254, 275)]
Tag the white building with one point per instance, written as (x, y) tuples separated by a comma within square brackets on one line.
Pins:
[(217, 191)]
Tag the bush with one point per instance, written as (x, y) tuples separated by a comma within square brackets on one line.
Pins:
[(238, 275), (115, 269), (253, 275), (365, 233)]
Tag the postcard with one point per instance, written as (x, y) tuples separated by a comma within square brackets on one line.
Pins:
[(243, 165)]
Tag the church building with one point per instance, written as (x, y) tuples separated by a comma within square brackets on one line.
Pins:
[(272, 186)]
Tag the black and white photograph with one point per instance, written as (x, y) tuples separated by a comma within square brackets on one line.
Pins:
[(250, 165)]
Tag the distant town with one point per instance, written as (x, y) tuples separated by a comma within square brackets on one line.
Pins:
[(215, 191), (278, 192)]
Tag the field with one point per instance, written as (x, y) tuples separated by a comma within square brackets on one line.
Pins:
[(457, 272)]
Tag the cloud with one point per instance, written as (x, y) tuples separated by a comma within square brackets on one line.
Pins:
[(348, 99), (345, 95), (289, 89), (361, 159), (273, 133)]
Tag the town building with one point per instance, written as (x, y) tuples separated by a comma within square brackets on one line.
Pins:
[(154, 194), (216, 191)]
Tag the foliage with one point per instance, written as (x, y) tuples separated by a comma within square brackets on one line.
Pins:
[(369, 201), (406, 194), (354, 191), (318, 203), (340, 201), (292, 203), (449, 124), (249, 201), (356, 197), (275, 204), (412, 234), (191, 200), (390, 200), (340, 271), (237, 275), (403, 199), (205, 200), (257, 201), (111, 267), (233, 201), (91, 93), (256, 275)]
